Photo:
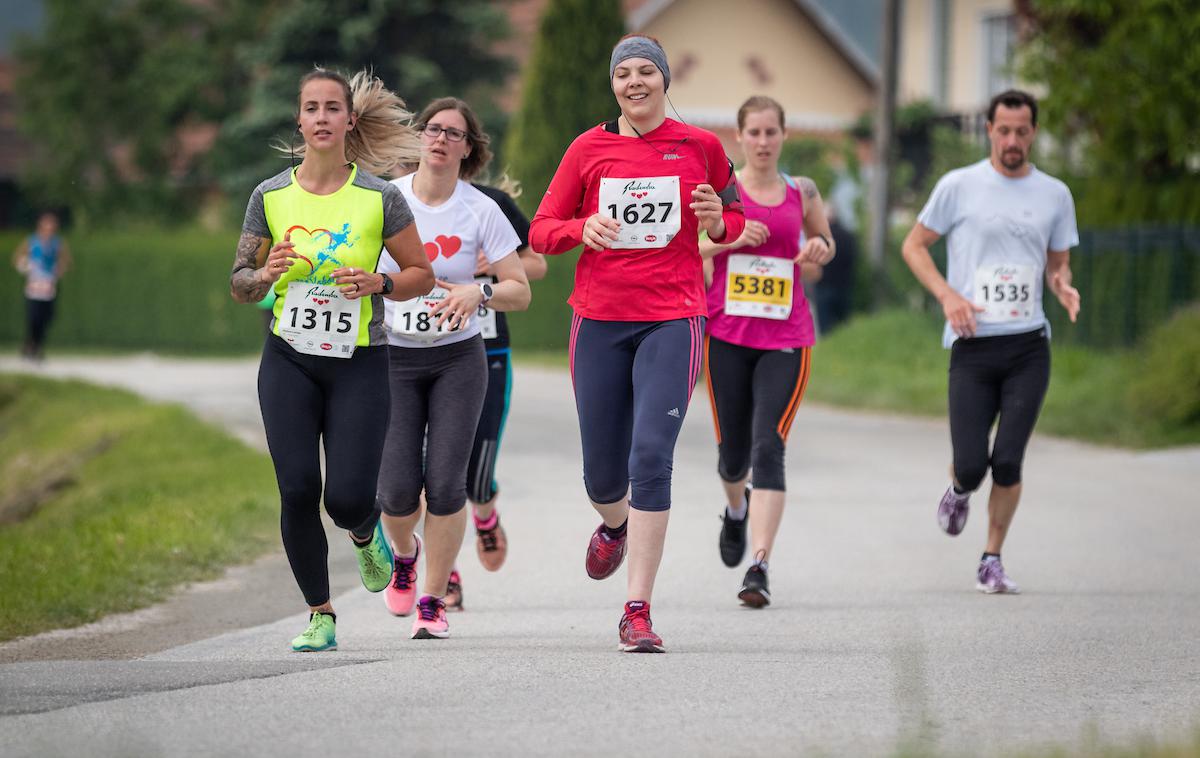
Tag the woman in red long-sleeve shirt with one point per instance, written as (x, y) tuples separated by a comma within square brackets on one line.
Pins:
[(636, 191)]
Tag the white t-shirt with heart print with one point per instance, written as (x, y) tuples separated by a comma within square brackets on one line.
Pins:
[(453, 233)]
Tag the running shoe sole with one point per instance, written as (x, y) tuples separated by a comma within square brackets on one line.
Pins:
[(426, 634), (987, 590), (645, 646), (755, 598), (325, 649)]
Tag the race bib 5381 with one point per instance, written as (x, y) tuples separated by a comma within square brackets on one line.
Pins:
[(759, 286)]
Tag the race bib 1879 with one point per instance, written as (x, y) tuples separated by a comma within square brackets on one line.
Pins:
[(759, 286), (415, 319), (1006, 292), (317, 320), (648, 209)]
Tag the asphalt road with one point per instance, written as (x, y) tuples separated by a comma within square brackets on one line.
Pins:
[(876, 642)]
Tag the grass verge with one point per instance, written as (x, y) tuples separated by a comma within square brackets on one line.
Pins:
[(894, 361), (107, 502)]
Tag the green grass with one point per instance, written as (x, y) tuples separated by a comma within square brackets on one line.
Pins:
[(132, 500), (894, 361)]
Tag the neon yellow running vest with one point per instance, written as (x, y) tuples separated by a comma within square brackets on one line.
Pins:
[(329, 232)]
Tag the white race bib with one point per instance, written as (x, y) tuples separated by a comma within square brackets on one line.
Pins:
[(486, 316), (40, 287), (317, 320), (415, 319), (648, 209), (1007, 292), (759, 286)]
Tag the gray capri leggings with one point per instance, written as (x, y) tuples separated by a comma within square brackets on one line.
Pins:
[(437, 396)]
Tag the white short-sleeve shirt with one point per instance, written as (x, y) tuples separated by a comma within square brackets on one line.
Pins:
[(453, 234), (991, 220)]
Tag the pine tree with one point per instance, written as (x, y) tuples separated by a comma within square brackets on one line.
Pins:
[(566, 89)]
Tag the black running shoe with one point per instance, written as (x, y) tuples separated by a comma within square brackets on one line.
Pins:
[(754, 592), (732, 541)]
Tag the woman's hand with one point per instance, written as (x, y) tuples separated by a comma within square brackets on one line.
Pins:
[(816, 250), (357, 282), (460, 302), (708, 209), (600, 231), (279, 260), (755, 234)]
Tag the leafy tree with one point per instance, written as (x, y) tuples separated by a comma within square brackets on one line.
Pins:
[(422, 49), (566, 89), (104, 93), (1121, 77)]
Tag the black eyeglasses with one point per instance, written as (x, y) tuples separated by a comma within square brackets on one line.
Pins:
[(452, 134)]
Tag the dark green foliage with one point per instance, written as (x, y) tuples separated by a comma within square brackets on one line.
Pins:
[(1121, 76), (142, 289), (566, 91), (104, 94), (110, 89), (422, 50), (1167, 388)]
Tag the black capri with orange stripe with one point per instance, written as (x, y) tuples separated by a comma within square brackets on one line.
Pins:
[(755, 395)]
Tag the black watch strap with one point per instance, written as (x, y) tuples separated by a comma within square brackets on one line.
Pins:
[(388, 284)]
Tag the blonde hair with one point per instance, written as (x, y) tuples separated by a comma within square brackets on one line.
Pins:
[(383, 136), (505, 183)]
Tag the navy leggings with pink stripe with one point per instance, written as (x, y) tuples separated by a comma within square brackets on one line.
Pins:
[(633, 380)]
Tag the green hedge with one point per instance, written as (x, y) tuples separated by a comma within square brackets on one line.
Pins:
[(153, 289)]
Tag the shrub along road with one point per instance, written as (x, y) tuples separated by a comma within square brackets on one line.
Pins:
[(876, 642)]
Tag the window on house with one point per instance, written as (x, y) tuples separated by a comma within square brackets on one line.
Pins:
[(999, 40)]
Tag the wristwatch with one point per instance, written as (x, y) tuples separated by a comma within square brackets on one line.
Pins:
[(828, 242), (388, 284), (486, 290)]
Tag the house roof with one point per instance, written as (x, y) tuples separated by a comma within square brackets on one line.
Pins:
[(833, 19)]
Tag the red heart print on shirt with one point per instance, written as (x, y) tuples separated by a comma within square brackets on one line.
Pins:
[(449, 245), (446, 246)]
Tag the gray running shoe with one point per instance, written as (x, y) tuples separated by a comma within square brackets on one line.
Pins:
[(952, 511), (992, 579)]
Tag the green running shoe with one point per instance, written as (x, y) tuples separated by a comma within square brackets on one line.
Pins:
[(375, 561), (318, 636)]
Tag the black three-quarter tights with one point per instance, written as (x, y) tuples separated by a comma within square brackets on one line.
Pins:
[(345, 402), (990, 376)]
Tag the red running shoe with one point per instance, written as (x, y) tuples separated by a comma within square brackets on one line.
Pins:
[(604, 554), (637, 633), (454, 592)]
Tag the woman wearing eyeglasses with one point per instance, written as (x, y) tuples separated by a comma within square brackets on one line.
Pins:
[(438, 366)]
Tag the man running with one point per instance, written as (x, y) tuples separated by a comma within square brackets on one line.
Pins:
[(1009, 227)]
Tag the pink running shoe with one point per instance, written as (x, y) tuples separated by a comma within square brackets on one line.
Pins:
[(454, 592), (637, 633), (401, 595), (604, 554), (952, 511), (993, 580), (431, 623)]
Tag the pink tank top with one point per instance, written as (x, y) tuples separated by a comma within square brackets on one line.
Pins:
[(785, 221)]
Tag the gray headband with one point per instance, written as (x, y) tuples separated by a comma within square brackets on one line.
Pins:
[(640, 47)]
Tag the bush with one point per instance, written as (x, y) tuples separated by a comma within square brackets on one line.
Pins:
[(141, 289), (1167, 386)]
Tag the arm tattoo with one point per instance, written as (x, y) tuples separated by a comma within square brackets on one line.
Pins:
[(808, 187), (244, 281)]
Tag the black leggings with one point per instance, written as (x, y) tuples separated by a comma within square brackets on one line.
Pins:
[(990, 376), (755, 395), (437, 393), (39, 314), (481, 470), (307, 399), (633, 380)]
